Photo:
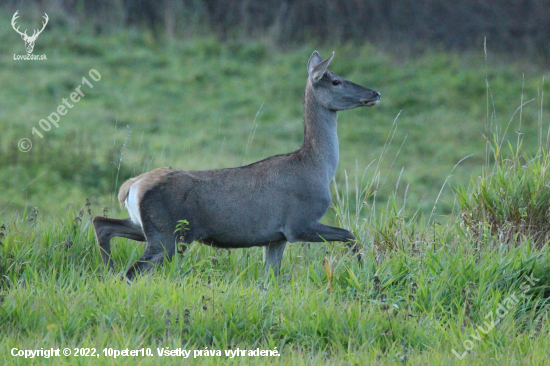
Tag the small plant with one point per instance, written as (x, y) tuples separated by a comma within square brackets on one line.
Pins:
[(329, 267), (181, 227), (2, 233)]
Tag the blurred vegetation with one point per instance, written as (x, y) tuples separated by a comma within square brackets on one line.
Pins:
[(194, 104), (511, 26)]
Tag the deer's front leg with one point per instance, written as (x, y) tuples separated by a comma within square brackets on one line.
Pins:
[(273, 255), (318, 232)]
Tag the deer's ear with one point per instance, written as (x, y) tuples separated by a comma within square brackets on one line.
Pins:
[(314, 60), (318, 67)]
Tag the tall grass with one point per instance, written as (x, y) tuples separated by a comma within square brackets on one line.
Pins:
[(510, 201), (411, 303)]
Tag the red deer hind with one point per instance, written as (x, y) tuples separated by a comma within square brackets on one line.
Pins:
[(268, 203)]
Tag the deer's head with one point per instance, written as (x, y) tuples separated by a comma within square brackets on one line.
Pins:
[(29, 40), (334, 92)]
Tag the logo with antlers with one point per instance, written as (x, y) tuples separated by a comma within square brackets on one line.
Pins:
[(29, 41)]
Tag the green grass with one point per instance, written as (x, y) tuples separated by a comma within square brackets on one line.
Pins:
[(422, 297), (511, 201), (428, 291), (192, 104), (427, 283)]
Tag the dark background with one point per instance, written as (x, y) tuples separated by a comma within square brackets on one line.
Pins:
[(517, 27)]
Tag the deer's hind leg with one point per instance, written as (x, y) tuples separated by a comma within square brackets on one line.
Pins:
[(158, 227), (107, 228), (160, 246)]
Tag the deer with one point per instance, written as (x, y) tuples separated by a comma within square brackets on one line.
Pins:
[(267, 204), (29, 41)]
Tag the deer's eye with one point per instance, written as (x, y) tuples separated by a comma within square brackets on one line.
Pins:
[(335, 82)]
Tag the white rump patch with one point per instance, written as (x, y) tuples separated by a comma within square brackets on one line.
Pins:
[(132, 204)]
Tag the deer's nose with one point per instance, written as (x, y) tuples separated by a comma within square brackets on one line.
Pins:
[(376, 94)]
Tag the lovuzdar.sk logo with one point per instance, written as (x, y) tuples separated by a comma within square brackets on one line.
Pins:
[(29, 40)]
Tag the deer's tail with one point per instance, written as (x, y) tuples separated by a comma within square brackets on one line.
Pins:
[(125, 190)]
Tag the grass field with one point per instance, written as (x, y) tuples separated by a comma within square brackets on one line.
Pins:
[(458, 292), (192, 105), (429, 281)]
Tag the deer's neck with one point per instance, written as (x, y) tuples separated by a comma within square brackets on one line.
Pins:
[(320, 144)]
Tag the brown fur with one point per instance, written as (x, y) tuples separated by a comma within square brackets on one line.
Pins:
[(147, 181), (268, 203)]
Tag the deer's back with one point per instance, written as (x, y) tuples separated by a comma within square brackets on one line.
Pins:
[(263, 202)]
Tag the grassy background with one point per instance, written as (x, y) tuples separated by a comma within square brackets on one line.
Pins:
[(427, 282), (192, 105)]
